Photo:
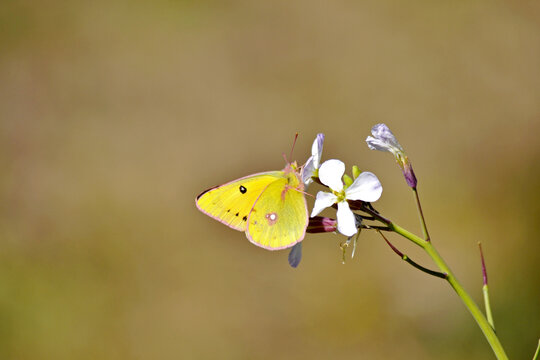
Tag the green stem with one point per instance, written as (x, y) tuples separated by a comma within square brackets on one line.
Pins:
[(535, 357), (487, 305), (485, 289), (421, 214), (410, 261), (475, 311)]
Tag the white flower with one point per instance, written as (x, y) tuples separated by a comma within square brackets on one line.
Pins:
[(314, 161), (366, 187), (384, 140)]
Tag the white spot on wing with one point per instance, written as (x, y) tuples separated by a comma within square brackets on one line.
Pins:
[(271, 218)]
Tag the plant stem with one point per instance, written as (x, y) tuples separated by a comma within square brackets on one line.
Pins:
[(421, 214), (407, 259), (485, 289), (487, 305), (535, 357), (475, 311), (469, 303)]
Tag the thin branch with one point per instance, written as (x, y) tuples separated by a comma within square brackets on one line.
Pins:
[(376, 227), (485, 289), (421, 214), (410, 261), (368, 208), (535, 357)]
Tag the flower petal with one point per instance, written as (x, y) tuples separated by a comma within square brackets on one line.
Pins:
[(307, 171), (316, 150), (377, 144), (366, 187), (331, 172), (314, 161), (383, 133), (323, 200), (346, 222)]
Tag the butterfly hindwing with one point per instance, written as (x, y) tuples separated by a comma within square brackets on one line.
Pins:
[(231, 203), (279, 218)]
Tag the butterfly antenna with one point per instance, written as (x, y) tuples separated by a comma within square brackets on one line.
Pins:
[(294, 143)]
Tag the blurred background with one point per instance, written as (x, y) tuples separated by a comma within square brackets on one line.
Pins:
[(114, 115)]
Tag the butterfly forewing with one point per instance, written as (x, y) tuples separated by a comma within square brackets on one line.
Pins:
[(279, 218), (231, 203)]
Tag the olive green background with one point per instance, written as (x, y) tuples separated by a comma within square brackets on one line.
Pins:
[(114, 115)]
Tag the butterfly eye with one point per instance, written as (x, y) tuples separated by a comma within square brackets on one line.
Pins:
[(242, 189)]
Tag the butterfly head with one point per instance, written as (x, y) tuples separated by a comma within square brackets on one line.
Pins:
[(291, 167)]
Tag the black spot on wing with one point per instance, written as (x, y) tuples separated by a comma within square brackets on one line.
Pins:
[(244, 218), (242, 189), (236, 214)]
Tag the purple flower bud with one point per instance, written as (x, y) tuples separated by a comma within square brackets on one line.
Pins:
[(320, 224), (408, 172)]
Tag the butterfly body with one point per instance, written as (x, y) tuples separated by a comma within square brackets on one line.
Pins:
[(270, 207)]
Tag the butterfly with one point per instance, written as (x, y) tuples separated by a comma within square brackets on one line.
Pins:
[(270, 207)]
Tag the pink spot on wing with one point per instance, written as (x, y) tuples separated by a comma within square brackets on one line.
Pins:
[(271, 218), (284, 192)]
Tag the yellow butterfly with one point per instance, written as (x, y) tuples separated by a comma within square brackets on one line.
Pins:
[(270, 207)]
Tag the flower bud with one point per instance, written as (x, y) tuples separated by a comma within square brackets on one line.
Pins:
[(320, 224)]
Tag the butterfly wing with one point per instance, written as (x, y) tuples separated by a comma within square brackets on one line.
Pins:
[(231, 203), (295, 255), (279, 217)]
